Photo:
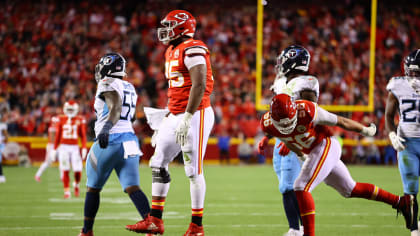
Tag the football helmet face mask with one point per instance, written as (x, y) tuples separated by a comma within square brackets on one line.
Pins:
[(412, 69), (283, 113), (176, 24), (293, 58), (110, 65), (71, 108)]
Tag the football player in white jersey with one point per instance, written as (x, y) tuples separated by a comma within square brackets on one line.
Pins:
[(404, 96), (3, 140), (292, 64), (116, 146)]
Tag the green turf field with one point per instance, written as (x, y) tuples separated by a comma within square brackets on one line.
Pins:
[(241, 200)]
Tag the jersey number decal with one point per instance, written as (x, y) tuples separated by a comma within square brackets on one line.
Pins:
[(69, 131), (175, 77), (129, 104), (413, 103), (301, 140)]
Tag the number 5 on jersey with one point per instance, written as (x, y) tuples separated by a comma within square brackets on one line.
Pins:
[(175, 77), (128, 103)]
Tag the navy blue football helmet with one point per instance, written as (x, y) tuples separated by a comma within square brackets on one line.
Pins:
[(412, 64), (293, 58), (110, 65)]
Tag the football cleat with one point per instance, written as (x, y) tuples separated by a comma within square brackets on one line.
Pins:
[(76, 189), (76, 192), (194, 230), (151, 225), (37, 178), (90, 233), (293, 232), (2, 179), (406, 207), (67, 195)]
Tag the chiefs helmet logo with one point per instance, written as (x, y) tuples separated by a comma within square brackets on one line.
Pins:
[(291, 54), (181, 16)]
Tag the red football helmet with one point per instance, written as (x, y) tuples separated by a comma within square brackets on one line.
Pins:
[(283, 113), (176, 24), (71, 108)]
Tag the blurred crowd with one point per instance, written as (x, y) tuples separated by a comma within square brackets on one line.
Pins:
[(49, 50)]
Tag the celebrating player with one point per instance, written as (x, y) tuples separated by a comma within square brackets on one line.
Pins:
[(300, 125), (48, 151), (117, 145), (187, 127), (69, 128), (292, 63), (404, 96)]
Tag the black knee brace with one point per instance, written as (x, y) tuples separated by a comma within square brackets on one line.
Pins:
[(160, 175)]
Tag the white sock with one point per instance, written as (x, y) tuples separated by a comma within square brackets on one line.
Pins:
[(42, 168), (198, 191)]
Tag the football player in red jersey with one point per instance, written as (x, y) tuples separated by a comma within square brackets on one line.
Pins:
[(70, 127), (301, 126), (188, 124), (50, 145)]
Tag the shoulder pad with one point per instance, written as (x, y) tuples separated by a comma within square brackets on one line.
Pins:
[(394, 82)]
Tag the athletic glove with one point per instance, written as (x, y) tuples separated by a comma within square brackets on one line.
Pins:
[(53, 155), (103, 137), (84, 153), (262, 145), (397, 141), (181, 131), (369, 131), (284, 150)]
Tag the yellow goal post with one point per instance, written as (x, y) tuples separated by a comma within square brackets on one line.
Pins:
[(335, 108)]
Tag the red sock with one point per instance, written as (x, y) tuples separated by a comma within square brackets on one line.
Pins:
[(372, 192), (157, 207), (66, 179), (77, 176), (307, 211)]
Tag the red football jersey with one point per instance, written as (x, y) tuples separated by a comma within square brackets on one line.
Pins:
[(179, 78), (52, 129), (306, 134), (68, 131)]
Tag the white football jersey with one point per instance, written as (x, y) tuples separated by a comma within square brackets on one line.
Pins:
[(128, 97), (3, 126), (409, 106), (296, 85)]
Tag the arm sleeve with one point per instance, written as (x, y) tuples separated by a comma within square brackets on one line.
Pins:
[(194, 56), (323, 117)]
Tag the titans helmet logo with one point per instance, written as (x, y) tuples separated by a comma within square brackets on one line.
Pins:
[(292, 53), (108, 60)]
